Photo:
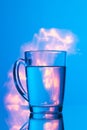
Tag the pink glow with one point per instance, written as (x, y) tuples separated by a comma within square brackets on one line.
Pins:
[(52, 39), (51, 82), (13, 96), (17, 116), (53, 125), (14, 104), (47, 78)]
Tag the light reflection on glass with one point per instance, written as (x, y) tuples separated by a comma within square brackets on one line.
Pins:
[(44, 122)]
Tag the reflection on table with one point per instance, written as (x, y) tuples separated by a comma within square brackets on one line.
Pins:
[(20, 118), (44, 122)]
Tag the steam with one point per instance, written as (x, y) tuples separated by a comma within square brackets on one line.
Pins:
[(52, 39)]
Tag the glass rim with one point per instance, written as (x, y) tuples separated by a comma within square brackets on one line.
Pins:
[(61, 51)]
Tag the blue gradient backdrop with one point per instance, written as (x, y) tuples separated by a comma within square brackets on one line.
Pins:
[(20, 19)]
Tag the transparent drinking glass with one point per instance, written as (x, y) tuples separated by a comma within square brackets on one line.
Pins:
[(45, 80)]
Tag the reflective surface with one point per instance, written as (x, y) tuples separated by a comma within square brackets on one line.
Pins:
[(44, 122), (15, 117)]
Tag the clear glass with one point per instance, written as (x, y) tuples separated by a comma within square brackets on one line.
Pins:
[(45, 78)]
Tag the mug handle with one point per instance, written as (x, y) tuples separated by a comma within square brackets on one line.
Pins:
[(17, 80)]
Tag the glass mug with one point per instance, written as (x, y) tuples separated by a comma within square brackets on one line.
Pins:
[(45, 79)]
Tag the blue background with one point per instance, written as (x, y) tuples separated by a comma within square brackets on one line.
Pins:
[(20, 19)]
